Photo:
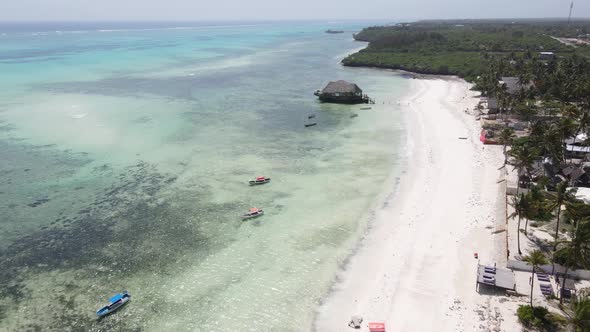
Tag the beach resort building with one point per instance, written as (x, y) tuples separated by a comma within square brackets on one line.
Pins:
[(513, 86), (342, 92), (546, 56)]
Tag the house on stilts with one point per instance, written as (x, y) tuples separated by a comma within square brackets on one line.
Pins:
[(343, 92)]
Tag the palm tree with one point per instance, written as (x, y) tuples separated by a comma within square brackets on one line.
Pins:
[(523, 158), (521, 207), (524, 77), (535, 206), (547, 140), (575, 252), (504, 98), (536, 259), (538, 128), (576, 211), (567, 128), (560, 196), (583, 122), (538, 70), (506, 138), (580, 314)]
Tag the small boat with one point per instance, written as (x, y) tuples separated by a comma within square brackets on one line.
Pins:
[(116, 302), (365, 108), (259, 180), (312, 116), (377, 327), (310, 124), (254, 212)]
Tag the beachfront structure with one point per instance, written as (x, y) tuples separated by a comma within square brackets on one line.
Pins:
[(575, 146), (547, 56), (342, 92), (513, 86), (566, 290), (493, 106), (495, 277)]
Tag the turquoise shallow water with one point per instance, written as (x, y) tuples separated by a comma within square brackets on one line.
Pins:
[(125, 160)]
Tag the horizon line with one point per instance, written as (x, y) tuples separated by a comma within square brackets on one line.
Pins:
[(287, 20)]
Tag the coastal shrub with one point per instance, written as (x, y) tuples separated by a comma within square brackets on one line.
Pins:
[(536, 317), (557, 319)]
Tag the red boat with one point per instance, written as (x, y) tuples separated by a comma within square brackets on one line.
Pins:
[(377, 327), (259, 180)]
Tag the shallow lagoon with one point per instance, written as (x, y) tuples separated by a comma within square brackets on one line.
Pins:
[(125, 161)]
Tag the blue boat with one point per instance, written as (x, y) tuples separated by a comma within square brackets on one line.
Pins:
[(116, 302)]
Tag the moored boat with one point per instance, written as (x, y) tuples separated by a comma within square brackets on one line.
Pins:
[(259, 180), (254, 212), (116, 302)]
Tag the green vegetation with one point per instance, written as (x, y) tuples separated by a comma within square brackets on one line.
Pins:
[(460, 48), (536, 317), (539, 318), (463, 64), (580, 314)]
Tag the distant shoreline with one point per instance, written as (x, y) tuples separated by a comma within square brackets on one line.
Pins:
[(463, 48)]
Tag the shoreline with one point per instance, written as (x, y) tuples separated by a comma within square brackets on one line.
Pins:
[(418, 249), (414, 72), (411, 71)]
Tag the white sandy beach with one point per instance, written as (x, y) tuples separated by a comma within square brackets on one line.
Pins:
[(415, 269)]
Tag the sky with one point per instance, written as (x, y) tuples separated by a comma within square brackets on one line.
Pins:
[(195, 10)]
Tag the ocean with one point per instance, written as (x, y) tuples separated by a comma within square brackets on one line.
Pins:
[(126, 150)]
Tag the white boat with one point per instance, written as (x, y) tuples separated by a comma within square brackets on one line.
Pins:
[(254, 213)]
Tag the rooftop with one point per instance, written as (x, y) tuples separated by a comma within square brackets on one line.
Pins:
[(513, 86), (341, 87), (503, 278)]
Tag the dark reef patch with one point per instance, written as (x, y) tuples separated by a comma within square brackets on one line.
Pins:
[(131, 227), (38, 202)]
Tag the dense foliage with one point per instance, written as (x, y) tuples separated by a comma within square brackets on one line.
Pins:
[(580, 313), (459, 48), (536, 317)]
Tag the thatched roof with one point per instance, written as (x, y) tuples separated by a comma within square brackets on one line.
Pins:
[(513, 86), (341, 87)]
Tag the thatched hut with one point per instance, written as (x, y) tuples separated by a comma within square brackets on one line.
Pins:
[(514, 86), (342, 92)]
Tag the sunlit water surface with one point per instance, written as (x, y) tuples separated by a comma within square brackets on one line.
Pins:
[(125, 155)]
